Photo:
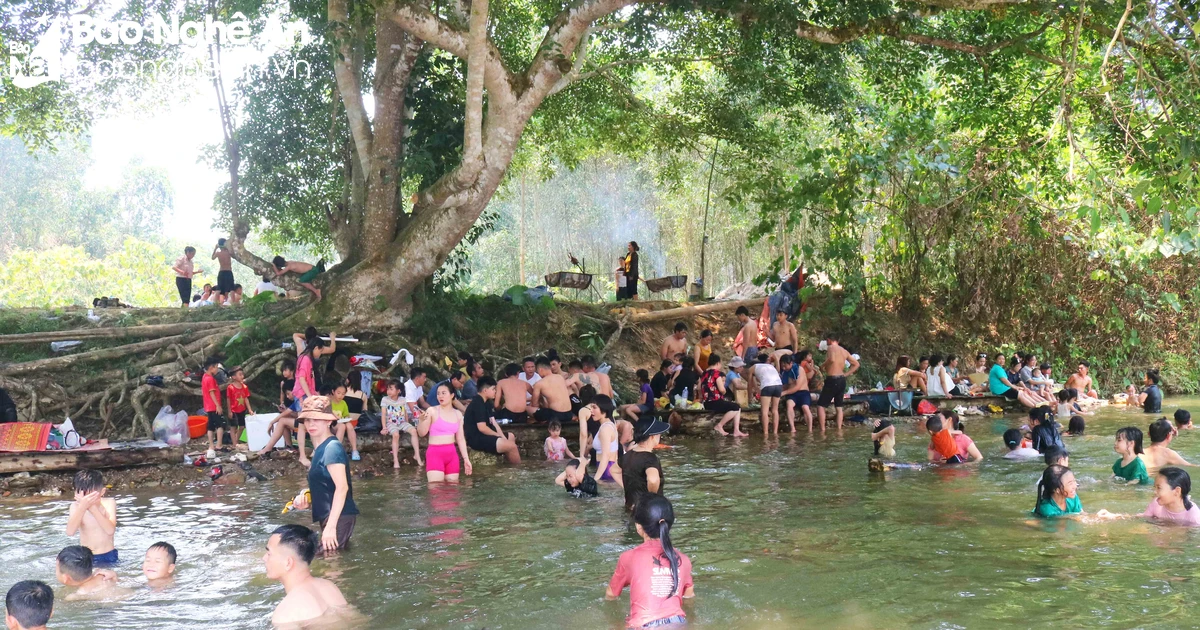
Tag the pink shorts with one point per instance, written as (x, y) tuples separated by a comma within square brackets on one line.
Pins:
[(442, 458)]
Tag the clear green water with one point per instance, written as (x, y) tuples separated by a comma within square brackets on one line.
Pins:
[(792, 533)]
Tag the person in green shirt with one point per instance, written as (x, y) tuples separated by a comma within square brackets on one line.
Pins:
[(345, 423), (1056, 493), (1130, 469)]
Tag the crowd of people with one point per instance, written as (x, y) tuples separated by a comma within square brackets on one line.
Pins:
[(227, 291)]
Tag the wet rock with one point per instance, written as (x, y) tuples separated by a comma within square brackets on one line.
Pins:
[(153, 483), (232, 477)]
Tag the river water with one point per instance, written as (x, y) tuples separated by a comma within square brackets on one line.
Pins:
[(787, 534)]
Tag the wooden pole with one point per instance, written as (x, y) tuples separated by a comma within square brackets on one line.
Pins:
[(112, 332), (689, 311)]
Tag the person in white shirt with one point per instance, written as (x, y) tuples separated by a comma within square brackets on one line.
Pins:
[(414, 392), (1012, 440), (937, 379), (266, 285), (204, 299), (770, 388), (529, 375)]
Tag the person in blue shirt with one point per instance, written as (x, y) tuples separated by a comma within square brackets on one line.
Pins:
[(455, 382)]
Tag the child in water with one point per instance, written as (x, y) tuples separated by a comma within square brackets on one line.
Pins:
[(94, 517), (1013, 441), (1044, 429), (1056, 493), (1183, 420), (941, 444), (576, 480), (659, 576), (556, 445), (1076, 426), (1130, 469), (159, 564), (1171, 503), (1057, 457)]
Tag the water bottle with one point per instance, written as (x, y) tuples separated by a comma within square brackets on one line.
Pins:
[(879, 385), (685, 395)]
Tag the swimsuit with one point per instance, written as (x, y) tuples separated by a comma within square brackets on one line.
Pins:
[(833, 392), (106, 559), (442, 457), (613, 448)]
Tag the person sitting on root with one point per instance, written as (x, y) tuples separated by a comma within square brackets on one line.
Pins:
[(645, 403), (712, 395), (783, 334), (512, 396), (307, 272), (675, 343), (907, 378), (1000, 385), (480, 429)]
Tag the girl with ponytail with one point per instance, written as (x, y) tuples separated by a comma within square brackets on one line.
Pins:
[(658, 575), (1171, 502)]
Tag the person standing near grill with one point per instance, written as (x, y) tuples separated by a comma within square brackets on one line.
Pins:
[(629, 265), (184, 270)]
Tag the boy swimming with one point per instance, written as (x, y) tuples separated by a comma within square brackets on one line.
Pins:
[(94, 517), (576, 480), (159, 564), (75, 567)]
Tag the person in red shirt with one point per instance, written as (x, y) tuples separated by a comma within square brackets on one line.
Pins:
[(658, 575), (238, 395), (212, 403)]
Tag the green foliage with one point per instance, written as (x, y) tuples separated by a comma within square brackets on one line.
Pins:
[(139, 273)]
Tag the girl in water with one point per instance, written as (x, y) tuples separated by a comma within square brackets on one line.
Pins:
[(1171, 503), (1130, 469), (606, 444), (444, 426), (1057, 493), (654, 601)]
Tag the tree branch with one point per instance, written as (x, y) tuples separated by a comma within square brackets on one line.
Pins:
[(891, 26), (348, 82)]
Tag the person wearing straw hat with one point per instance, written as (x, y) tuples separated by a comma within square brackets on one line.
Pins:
[(328, 477), (641, 470)]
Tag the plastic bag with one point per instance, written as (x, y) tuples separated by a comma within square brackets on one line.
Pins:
[(170, 427)]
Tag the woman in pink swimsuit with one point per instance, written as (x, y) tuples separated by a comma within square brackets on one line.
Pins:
[(444, 426)]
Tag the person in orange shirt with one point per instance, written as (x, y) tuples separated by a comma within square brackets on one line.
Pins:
[(941, 443), (237, 393)]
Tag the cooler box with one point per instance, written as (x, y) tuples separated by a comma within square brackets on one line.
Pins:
[(256, 431)]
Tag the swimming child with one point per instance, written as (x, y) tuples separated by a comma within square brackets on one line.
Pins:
[(28, 605), (1183, 420), (657, 574), (556, 446), (1076, 426), (74, 567), (1159, 453), (576, 480), (1012, 440), (1171, 503), (1056, 493), (1057, 457), (94, 517), (159, 564), (1130, 469), (884, 438), (1044, 429), (396, 421)]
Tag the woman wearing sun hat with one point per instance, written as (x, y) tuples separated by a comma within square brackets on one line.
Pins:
[(642, 472), (332, 499)]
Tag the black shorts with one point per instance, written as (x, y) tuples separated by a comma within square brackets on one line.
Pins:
[(772, 391), (184, 285), (833, 392), (721, 406), (546, 414), (1011, 394), (576, 404), (225, 282), (216, 421), (345, 529), (237, 418), (505, 414), (483, 443), (958, 391)]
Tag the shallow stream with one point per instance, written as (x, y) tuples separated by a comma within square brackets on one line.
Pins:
[(787, 534)]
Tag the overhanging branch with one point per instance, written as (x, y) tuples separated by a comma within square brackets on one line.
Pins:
[(894, 26)]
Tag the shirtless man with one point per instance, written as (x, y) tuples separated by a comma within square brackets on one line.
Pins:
[(1159, 453), (784, 334), (589, 376), (225, 280), (676, 343), (74, 568), (511, 395), (306, 271), (749, 347), (551, 398), (833, 392), (290, 549), (1082, 382)]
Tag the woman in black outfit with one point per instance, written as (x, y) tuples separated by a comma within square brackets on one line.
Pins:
[(631, 271)]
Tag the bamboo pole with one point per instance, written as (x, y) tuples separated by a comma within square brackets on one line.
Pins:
[(695, 309), (112, 332)]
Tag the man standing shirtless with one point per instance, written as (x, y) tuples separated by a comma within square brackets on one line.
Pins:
[(551, 398), (833, 392), (1081, 381), (784, 334), (225, 282), (749, 348), (290, 549), (676, 343), (512, 395)]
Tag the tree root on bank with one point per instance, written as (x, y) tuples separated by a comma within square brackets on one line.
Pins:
[(114, 332), (72, 360)]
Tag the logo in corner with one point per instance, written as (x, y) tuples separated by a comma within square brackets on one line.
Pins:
[(40, 65)]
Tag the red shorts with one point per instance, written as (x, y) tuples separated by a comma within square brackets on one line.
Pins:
[(442, 458)]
